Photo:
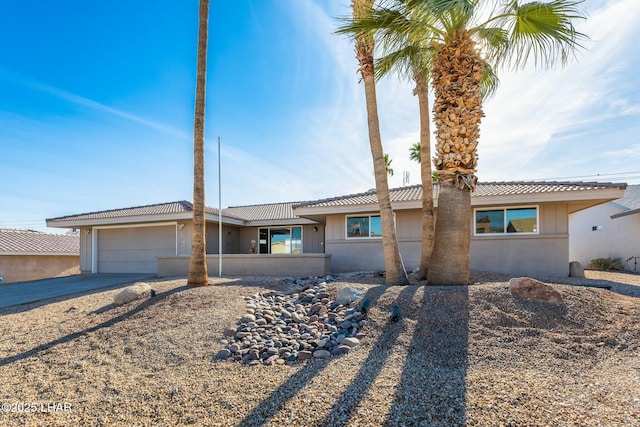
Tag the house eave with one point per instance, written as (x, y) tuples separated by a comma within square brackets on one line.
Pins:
[(587, 198), (626, 213), (96, 222), (310, 211), (19, 253), (278, 222)]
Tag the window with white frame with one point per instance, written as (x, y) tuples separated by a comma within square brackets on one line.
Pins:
[(506, 220), (363, 226)]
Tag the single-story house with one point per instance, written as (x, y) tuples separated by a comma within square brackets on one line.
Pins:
[(609, 230), (33, 255), (519, 228)]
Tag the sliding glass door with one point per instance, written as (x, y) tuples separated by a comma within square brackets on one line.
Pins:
[(281, 240)]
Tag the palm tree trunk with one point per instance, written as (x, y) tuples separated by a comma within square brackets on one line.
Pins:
[(395, 272), (456, 77), (422, 90), (198, 275), (450, 259)]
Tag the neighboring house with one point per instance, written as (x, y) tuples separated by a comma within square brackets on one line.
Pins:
[(519, 228), (32, 255), (608, 230)]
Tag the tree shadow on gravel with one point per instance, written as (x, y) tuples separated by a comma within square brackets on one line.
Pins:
[(432, 388), (261, 414), (70, 337), (344, 408)]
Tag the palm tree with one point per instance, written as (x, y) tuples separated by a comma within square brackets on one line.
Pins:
[(387, 163), (409, 54), (512, 34), (364, 43), (198, 275)]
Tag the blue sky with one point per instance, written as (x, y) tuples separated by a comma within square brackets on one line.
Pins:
[(96, 107)]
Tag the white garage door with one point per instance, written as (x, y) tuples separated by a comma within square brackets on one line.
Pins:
[(134, 250)]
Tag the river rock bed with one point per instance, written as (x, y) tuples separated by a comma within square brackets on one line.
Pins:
[(305, 323)]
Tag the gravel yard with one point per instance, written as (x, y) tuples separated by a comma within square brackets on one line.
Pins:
[(457, 356)]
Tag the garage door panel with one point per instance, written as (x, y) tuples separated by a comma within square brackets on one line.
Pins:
[(134, 250)]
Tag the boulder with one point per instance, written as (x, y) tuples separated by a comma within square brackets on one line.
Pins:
[(534, 290), (131, 293), (349, 294), (576, 270)]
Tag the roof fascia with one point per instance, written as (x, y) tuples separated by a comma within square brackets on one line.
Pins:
[(40, 253), (606, 194), (138, 219), (629, 212), (278, 222), (360, 208)]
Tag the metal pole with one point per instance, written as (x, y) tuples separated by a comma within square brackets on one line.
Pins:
[(219, 212)]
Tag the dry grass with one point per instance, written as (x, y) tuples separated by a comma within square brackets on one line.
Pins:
[(460, 355)]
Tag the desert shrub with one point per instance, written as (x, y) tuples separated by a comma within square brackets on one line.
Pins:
[(605, 264)]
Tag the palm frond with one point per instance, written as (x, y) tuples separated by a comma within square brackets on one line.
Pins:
[(489, 83), (542, 30)]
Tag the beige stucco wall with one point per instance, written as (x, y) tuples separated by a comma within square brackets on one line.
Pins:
[(544, 254), (367, 254), (20, 268), (85, 249), (252, 265)]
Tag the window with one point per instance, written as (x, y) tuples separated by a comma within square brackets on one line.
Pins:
[(365, 226), (506, 220), (280, 240)]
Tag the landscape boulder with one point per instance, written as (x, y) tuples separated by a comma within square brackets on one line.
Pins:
[(576, 270), (131, 293), (349, 294), (534, 290)]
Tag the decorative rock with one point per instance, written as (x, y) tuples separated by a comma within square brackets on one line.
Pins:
[(534, 290), (284, 328), (349, 294), (320, 354), (351, 342), (341, 349), (223, 354), (248, 318), (304, 355), (131, 293), (576, 270)]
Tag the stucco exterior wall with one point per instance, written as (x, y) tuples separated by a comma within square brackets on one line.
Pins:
[(252, 265), (367, 254), (542, 255), (20, 268), (615, 238), (546, 253), (85, 250)]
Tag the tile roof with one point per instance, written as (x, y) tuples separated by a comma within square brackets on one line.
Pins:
[(286, 210), (35, 242), (530, 187), (629, 203), (414, 192), (158, 209), (271, 211), (631, 198)]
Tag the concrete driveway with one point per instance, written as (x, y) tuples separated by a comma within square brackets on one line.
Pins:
[(27, 292)]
